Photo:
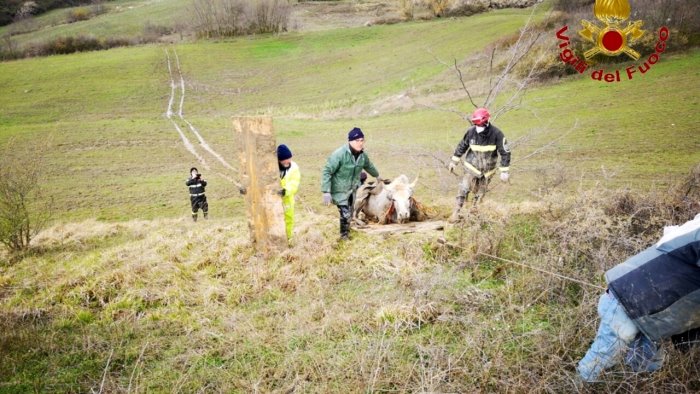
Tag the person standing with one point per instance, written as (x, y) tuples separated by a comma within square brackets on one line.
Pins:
[(198, 199), (341, 177), (290, 177), (483, 143)]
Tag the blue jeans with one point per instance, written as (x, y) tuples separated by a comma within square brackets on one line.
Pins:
[(615, 334)]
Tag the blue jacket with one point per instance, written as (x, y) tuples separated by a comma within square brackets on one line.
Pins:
[(659, 288)]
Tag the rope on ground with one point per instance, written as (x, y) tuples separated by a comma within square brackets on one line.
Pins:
[(534, 268)]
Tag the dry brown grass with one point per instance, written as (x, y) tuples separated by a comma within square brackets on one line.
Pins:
[(177, 307)]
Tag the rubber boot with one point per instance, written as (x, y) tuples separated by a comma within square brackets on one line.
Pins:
[(459, 202), (345, 215)]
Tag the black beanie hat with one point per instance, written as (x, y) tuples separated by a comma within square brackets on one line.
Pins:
[(283, 153), (355, 133)]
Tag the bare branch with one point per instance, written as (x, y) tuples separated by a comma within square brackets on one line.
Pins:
[(550, 143), (517, 55), (461, 79)]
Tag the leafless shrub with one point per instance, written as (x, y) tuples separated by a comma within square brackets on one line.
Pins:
[(406, 9), (79, 14), (27, 10), (467, 7), (438, 7), (228, 18), (24, 208), (8, 49)]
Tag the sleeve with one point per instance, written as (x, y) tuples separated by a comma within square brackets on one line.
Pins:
[(370, 168), (503, 151), (203, 182), (461, 147), (329, 169), (292, 186), (189, 181)]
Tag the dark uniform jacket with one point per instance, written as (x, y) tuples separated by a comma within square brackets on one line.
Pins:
[(482, 151), (196, 186), (659, 288)]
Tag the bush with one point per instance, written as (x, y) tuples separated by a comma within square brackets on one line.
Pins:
[(228, 18), (24, 211), (79, 14)]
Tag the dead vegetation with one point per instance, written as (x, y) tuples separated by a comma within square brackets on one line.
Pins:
[(168, 306)]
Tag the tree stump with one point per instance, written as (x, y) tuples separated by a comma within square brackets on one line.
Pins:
[(256, 149)]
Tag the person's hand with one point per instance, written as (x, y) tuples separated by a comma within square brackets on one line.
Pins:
[(452, 167), (242, 190), (327, 199), (505, 176), (281, 192)]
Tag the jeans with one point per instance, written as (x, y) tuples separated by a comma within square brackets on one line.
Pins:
[(615, 334)]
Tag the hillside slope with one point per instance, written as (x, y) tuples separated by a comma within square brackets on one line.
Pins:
[(106, 112)]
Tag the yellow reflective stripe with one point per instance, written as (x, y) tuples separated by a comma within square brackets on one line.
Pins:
[(483, 148), (476, 172), (472, 169), (504, 169), (455, 159)]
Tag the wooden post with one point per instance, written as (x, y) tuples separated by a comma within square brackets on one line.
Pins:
[(256, 146)]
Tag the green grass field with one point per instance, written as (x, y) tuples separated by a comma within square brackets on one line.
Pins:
[(124, 294), (124, 18)]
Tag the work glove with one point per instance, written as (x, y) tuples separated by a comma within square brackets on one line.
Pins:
[(281, 192), (505, 176), (452, 167), (327, 199)]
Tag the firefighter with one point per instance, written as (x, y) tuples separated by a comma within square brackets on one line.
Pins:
[(341, 177), (197, 197), (483, 143), (290, 176)]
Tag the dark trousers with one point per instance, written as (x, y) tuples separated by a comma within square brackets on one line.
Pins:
[(345, 217), (197, 203)]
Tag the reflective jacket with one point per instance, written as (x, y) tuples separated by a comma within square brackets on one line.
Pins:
[(659, 288), (482, 151), (196, 186), (290, 179), (341, 174)]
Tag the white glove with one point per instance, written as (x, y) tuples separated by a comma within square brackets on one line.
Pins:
[(505, 176), (452, 167), (327, 199)]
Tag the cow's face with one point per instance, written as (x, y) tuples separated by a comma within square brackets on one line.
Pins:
[(400, 192)]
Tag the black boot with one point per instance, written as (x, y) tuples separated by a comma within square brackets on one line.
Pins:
[(345, 214), (206, 215), (194, 217)]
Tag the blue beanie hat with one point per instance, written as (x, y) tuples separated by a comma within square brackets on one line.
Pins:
[(283, 153), (355, 133)]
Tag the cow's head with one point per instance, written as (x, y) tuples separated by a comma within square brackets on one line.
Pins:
[(400, 193)]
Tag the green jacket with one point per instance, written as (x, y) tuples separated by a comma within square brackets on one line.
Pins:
[(341, 174)]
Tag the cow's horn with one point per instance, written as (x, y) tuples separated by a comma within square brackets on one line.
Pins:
[(415, 182)]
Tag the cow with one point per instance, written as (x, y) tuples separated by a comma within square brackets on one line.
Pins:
[(387, 201)]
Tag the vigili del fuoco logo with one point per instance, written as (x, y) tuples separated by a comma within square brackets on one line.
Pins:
[(613, 38)]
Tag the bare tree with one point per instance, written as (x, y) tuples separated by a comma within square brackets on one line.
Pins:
[(24, 209), (507, 78)]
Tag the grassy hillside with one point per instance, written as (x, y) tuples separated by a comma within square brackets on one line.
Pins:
[(124, 294), (105, 113), (124, 18), (156, 306)]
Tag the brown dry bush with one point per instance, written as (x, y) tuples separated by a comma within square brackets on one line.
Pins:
[(229, 18)]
